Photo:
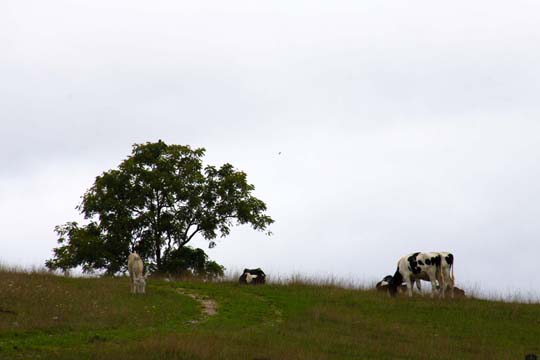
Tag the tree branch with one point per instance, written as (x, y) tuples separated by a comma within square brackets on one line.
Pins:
[(192, 235), (187, 230)]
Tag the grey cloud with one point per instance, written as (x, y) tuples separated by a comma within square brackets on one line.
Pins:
[(401, 126)]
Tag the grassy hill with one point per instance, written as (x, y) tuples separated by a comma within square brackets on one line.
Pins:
[(44, 316)]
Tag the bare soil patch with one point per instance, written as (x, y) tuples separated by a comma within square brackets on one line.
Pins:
[(209, 306)]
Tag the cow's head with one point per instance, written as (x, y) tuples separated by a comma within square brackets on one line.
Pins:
[(140, 284), (394, 283)]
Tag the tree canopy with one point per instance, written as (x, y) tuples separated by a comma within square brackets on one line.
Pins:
[(156, 202)]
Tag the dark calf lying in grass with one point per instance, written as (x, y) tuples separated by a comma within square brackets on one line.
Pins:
[(252, 276), (459, 293), (384, 282), (382, 285)]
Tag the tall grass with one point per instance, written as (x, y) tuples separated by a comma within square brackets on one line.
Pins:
[(295, 317), (296, 320), (473, 291)]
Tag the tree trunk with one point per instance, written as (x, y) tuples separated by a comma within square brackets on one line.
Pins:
[(158, 256)]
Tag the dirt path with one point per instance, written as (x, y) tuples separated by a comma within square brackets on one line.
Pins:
[(209, 306)]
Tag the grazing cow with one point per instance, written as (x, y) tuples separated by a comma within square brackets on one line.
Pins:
[(410, 268), (252, 276), (135, 268)]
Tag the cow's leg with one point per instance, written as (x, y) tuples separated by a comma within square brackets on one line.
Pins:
[(142, 285), (432, 278), (442, 284), (132, 283), (408, 281), (419, 286), (433, 287), (450, 282)]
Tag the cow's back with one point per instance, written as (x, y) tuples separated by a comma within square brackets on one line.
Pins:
[(135, 265), (447, 259)]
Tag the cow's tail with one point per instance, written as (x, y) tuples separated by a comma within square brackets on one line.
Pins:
[(450, 260)]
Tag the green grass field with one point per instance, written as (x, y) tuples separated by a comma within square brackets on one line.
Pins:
[(44, 316)]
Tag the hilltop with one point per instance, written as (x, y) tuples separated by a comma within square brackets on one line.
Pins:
[(47, 316)]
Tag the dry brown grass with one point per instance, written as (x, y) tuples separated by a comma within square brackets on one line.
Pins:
[(72, 318), (40, 301)]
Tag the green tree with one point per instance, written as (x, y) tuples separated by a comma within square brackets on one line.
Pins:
[(189, 261), (155, 202)]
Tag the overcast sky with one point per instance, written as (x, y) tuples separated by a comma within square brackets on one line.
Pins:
[(403, 126)]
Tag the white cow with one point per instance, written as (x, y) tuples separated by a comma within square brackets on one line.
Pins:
[(135, 268)]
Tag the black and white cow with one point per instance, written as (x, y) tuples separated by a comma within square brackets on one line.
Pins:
[(444, 271), (415, 267), (252, 276)]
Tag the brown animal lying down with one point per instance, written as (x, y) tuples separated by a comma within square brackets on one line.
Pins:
[(458, 293)]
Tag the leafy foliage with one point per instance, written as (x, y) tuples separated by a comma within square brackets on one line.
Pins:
[(81, 246), (189, 261), (158, 199)]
